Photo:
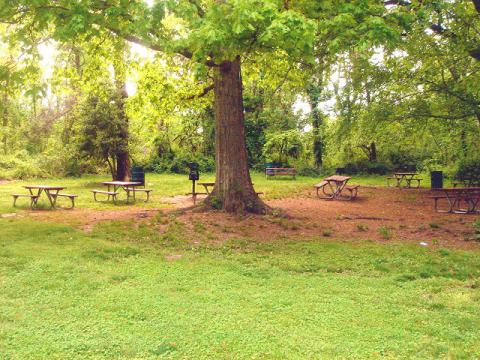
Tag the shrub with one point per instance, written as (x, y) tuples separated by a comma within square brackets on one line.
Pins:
[(469, 170), (178, 163), (308, 171), (476, 227), (404, 160), (367, 167)]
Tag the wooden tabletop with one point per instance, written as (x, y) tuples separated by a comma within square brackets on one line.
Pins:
[(121, 183), (206, 183), (405, 173), (44, 187), (338, 178)]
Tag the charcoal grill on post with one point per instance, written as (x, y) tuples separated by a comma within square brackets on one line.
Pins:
[(193, 175)]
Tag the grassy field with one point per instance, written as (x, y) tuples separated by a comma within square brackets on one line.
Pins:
[(130, 291), (125, 293)]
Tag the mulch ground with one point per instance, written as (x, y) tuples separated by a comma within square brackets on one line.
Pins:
[(379, 214)]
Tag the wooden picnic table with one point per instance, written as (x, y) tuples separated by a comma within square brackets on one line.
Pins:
[(127, 186), (404, 177), (455, 197), (207, 185), (50, 191), (333, 186)]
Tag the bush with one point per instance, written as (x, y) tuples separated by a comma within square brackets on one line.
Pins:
[(20, 165), (404, 161), (308, 171), (177, 164), (469, 170), (366, 167)]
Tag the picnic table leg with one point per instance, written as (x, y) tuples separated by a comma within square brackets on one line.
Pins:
[(457, 203), (450, 204), (474, 205), (34, 201), (52, 198), (340, 187), (399, 181), (331, 188)]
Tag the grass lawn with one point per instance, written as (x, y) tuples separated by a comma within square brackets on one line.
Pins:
[(133, 293), (126, 290)]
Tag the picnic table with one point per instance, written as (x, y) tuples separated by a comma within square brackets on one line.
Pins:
[(455, 197), (404, 177), (127, 186), (333, 186), (207, 185), (52, 193)]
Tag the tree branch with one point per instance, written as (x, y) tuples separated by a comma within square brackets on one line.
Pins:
[(200, 11), (202, 94)]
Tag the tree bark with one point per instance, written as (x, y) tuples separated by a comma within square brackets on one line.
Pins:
[(313, 92), (5, 123), (123, 172), (233, 191)]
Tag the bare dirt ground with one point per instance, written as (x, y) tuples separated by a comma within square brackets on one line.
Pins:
[(379, 214)]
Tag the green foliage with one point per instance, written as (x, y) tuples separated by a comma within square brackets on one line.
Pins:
[(469, 170), (283, 146), (103, 125), (367, 167), (216, 202), (476, 227), (178, 163), (370, 74), (385, 232)]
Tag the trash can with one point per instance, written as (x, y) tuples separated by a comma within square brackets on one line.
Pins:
[(138, 174), (436, 178)]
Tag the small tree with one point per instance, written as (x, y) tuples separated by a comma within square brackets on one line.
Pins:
[(102, 138), (284, 145)]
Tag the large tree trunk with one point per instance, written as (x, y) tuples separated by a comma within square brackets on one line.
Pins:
[(317, 138), (5, 122), (233, 189), (123, 172), (313, 92)]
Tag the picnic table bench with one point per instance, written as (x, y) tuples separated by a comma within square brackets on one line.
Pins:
[(405, 177), (135, 189), (455, 197), (333, 186), (33, 199), (127, 186), (274, 171), (109, 194)]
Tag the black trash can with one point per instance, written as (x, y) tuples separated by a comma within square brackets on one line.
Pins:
[(436, 178), (138, 175)]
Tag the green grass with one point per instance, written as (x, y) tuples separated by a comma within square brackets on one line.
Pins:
[(113, 294)]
